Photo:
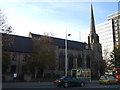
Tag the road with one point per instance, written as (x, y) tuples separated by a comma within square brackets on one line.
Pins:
[(49, 85)]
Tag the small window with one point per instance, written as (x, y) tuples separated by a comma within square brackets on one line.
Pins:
[(116, 31), (14, 57), (116, 24), (115, 20), (116, 28), (25, 58), (116, 35), (117, 39)]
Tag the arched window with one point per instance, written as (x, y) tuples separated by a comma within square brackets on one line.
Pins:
[(79, 61), (88, 61)]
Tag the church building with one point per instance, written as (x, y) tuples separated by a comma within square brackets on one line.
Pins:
[(79, 54)]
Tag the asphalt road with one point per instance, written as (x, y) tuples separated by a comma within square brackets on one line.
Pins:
[(49, 85)]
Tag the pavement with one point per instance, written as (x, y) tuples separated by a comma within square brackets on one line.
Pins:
[(44, 83), (35, 84)]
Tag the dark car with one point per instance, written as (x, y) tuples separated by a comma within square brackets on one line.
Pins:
[(66, 81)]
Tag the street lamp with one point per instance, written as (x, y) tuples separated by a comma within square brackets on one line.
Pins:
[(66, 53)]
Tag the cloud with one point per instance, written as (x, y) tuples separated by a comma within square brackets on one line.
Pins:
[(24, 26)]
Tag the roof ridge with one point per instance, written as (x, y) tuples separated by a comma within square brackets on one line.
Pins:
[(58, 38)]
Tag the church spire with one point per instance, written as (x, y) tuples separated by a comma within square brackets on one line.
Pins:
[(92, 22), (93, 37)]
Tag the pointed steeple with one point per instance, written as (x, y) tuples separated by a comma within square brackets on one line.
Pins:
[(93, 37), (92, 22)]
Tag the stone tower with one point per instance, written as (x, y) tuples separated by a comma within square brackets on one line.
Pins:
[(95, 47)]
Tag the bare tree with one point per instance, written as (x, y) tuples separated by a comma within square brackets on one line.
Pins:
[(5, 30), (4, 26)]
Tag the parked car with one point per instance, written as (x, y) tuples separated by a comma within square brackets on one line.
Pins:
[(66, 81), (108, 79)]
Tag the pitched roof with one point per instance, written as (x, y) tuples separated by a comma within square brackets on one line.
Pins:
[(20, 44), (61, 43), (24, 44)]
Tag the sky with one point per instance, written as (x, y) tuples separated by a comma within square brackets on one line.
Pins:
[(55, 16)]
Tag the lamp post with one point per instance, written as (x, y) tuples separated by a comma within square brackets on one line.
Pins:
[(66, 65)]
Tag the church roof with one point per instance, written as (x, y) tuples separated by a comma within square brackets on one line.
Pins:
[(20, 44), (61, 43), (24, 44)]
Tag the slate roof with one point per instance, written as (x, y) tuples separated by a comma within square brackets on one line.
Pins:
[(61, 43), (24, 44), (20, 44)]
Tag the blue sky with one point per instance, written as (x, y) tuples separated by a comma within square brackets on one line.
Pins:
[(55, 17)]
